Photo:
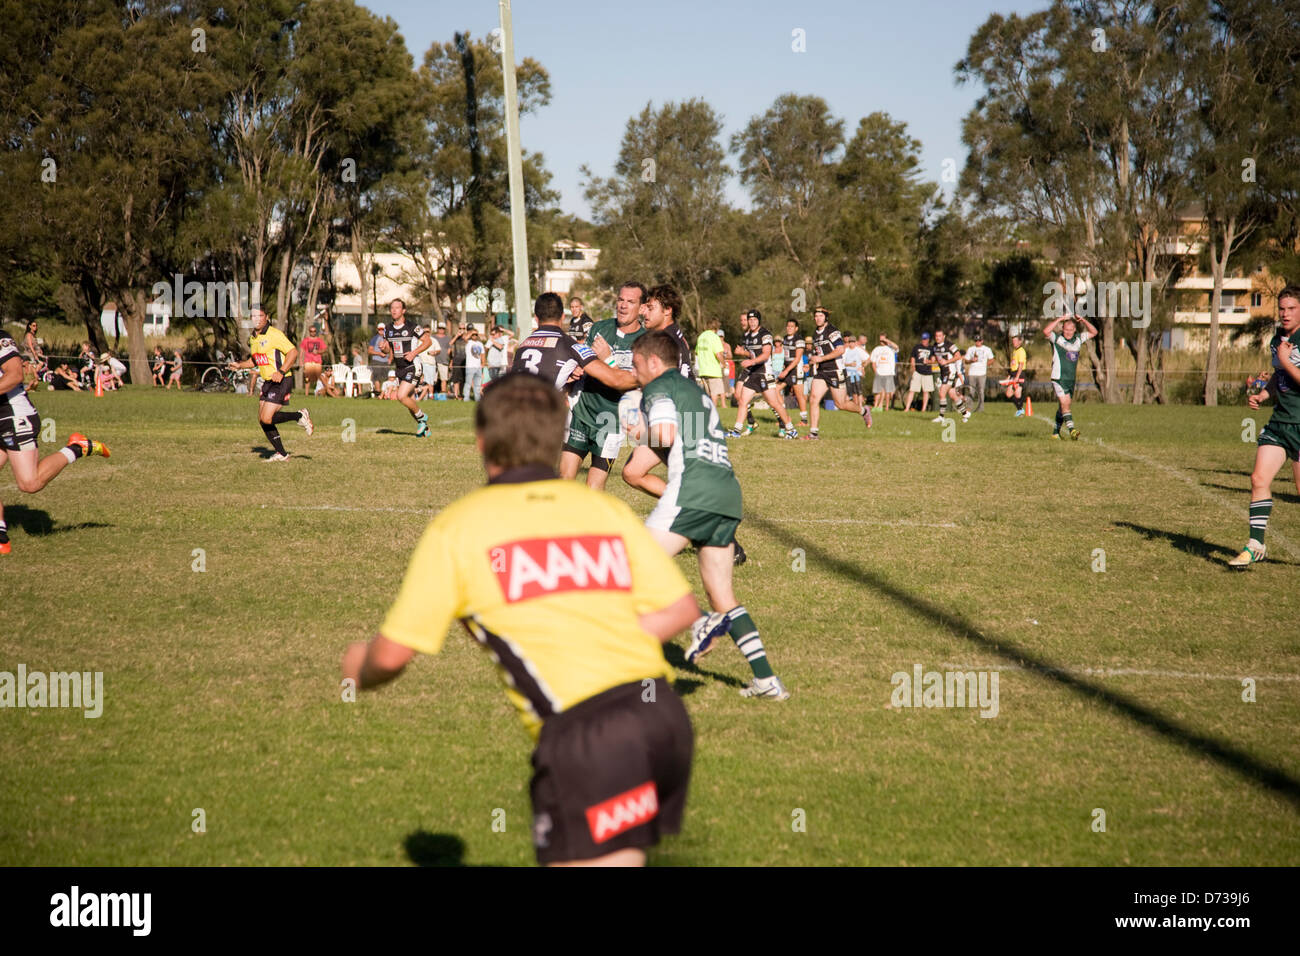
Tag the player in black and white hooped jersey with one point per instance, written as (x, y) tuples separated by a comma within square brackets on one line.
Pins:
[(948, 357), (552, 354), (828, 373), (20, 427), (754, 377), (403, 342), (789, 377)]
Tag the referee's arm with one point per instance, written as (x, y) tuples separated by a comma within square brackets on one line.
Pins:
[(376, 663), (669, 621)]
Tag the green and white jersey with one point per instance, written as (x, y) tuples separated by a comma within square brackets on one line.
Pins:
[(1286, 394), (598, 403), (699, 471), (1065, 356)]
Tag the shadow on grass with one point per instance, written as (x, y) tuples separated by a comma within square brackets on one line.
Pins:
[(434, 849), (265, 452), (685, 686), (39, 524), (1199, 547), (394, 431), (1245, 490), (1224, 754)]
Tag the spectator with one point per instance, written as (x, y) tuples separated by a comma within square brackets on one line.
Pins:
[(855, 360), (111, 371), (709, 356), (497, 352), (86, 371), (62, 379), (377, 357), (390, 386), (34, 352), (474, 353), (443, 342), (920, 368), (458, 361), (177, 364), (979, 355), (312, 350), (159, 367), (327, 386), (884, 360)]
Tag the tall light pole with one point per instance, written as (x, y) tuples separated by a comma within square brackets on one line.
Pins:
[(518, 233)]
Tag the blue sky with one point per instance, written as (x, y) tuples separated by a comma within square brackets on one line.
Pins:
[(608, 59)]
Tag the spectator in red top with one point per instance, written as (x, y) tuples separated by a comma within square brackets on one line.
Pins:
[(312, 348)]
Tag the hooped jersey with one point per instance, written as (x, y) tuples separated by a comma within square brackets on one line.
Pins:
[(793, 345), (552, 587), (402, 339), (552, 354), (1285, 392), (825, 341), (15, 401), (943, 353), (269, 350), (754, 343)]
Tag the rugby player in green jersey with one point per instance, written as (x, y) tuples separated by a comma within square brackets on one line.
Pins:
[(1280, 438), (701, 502), (594, 427), (1067, 346)]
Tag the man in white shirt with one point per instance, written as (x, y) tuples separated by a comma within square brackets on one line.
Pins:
[(884, 359), (855, 359), (497, 357), (979, 355)]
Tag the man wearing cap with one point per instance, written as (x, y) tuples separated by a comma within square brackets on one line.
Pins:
[(979, 355), (920, 368), (378, 357), (312, 348)]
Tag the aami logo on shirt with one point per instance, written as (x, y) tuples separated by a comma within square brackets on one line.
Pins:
[(538, 566), (629, 809)]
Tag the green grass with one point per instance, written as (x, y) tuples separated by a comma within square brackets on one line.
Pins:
[(222, 687)]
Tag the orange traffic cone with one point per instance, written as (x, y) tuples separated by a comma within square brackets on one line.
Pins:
[(99, 386), (1029, 407)]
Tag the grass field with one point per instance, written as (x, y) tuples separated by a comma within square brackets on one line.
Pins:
[(1118, 690)]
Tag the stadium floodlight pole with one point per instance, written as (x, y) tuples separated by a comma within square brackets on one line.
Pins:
[(518, 233)]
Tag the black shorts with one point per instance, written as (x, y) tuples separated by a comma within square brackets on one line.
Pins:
[(277, 393), (597, 462), (407, 372), (19, 432), (758, 379), (611, 773), (829, 374), (458, 374)]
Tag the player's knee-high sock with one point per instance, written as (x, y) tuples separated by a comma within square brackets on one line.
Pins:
[(1259, 512), (1067, 421), (1020, 402), (1059, 418), (749, 418), (273, 436), (4, 532), (943, 408), (280, 417), (744, 632)]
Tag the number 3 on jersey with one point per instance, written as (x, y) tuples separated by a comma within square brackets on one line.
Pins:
[(532, 359)]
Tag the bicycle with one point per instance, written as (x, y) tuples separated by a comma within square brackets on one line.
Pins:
[(221, 378)]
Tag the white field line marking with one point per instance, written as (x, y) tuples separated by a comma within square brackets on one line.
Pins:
[(1273, 536), (407, 511), (1121, 672), (887, 524), (902, 523)]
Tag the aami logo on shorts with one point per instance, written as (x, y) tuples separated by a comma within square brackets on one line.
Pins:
[(538, 566), (617, 814)]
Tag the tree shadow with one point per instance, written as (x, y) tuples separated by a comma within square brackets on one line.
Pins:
[(39, 524), (434, 849), (1225, 754)]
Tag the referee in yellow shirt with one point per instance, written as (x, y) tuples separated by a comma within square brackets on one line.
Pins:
[(1016, 381), (273, 357), (573, 600)]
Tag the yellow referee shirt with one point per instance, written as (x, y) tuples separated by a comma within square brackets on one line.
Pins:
[(1019, 360), (269, 350), (550, 577)]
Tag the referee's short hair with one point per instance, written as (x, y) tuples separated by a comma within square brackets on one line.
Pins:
[(521, 419), (659, 344)]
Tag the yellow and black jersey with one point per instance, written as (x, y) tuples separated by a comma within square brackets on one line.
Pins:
[(269, 350), (1018, 362), (550, 577)]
